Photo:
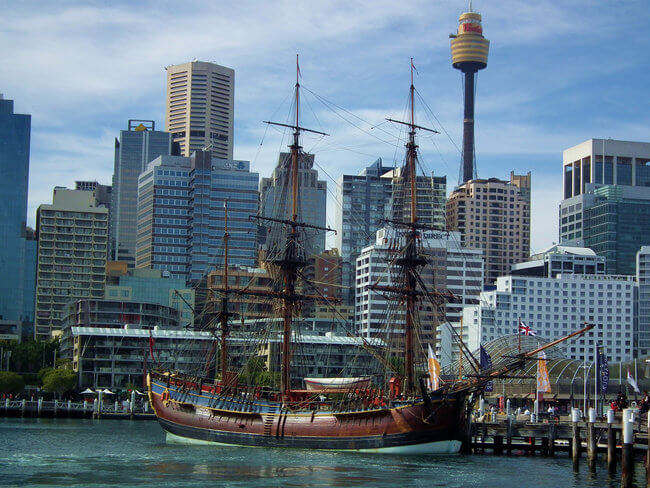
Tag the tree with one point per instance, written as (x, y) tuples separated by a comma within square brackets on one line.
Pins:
[(59, 380), (11, 382), (255, 373), (42, 373), (32, 355)]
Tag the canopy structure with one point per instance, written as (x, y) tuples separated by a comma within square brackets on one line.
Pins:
[(569, 378), (106, 391), (87, 391)]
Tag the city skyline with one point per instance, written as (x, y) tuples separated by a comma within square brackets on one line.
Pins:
[(545, 89)]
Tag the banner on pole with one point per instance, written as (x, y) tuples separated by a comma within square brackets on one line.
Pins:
[(543, 382)]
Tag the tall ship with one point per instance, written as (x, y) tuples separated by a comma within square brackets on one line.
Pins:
[(403, 407)]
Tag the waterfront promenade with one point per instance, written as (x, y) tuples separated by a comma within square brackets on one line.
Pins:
[(135, 409)]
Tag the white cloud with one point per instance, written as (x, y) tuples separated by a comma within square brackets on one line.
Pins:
[(83, 69)]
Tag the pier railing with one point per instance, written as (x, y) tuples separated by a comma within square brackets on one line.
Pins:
[(68, 408)]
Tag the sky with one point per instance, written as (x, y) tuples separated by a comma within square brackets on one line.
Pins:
[(559, 73)]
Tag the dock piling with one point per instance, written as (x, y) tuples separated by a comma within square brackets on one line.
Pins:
[(498, 445), (611, 442), (551, 439), (509, 435), (575, 439), (627, 453), (592, 448)]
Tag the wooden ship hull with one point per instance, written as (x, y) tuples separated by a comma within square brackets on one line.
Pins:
[(192, 413)]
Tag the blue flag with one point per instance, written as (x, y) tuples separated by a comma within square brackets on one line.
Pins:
[(486, 363), (602, 370)]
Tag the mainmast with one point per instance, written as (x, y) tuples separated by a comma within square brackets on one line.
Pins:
[(410, 261)]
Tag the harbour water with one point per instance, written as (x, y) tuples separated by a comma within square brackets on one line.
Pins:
[(108, 453)]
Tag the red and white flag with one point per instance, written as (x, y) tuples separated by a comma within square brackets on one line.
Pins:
[(525, 329)]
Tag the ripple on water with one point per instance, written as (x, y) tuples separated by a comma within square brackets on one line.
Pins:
[(79, 453)]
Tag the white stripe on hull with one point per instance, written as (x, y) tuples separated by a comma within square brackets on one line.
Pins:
[(439, 447)]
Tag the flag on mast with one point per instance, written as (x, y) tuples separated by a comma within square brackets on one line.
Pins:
[(632, 381), (543, 381), (525, 329), (434, 370), (414, 68)]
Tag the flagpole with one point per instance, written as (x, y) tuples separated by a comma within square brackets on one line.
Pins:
[(537, 394), (460, 356), (637, 383), (595, 377), (620, 380), (584, 384), (519, 336)]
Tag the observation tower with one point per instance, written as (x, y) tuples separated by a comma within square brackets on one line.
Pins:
[(469, 53)]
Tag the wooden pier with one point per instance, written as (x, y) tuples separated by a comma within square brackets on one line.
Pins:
[(622, 437)]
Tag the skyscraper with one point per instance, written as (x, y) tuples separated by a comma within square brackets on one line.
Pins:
[(72, 249), (493, 215), (366, 200), (181, 213), (431, 196), (363, 201), (606, 202), (14, 174), (275, 198), (642, 333), (136, 147), (199, 110)]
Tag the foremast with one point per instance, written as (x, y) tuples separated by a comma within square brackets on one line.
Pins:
[(224, 313), (291, 259)]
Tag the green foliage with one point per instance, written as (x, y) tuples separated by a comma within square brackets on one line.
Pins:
[(397, 365), (59, 380), (11, 382), (42, 373), (64, 363), (31, 356), (255, 374)]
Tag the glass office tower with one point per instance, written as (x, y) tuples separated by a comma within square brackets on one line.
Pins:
[(137, 147), (14, 174)]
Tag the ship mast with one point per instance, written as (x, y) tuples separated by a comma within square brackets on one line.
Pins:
[(410, 261), (224, 314), (291, 259)]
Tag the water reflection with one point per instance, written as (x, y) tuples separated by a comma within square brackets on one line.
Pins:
[(125, 454)]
